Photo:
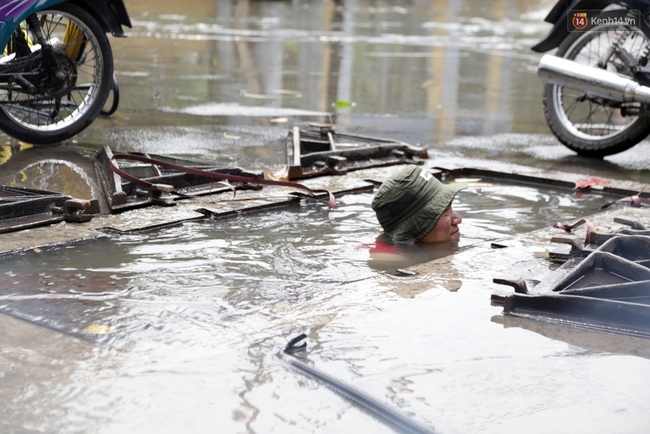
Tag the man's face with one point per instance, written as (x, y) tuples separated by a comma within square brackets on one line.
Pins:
[(446, 230)]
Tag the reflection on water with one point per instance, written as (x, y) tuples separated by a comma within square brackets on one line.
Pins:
[(200, 310), (422, 72), (390, 258), (296, 251), (56, 175), (59, 169), (497, 209), (311, 246)]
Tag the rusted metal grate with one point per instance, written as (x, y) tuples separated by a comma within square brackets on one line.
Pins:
[(322, 151), (22, 208), (123, 195)]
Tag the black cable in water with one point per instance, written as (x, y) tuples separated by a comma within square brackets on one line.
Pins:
[(386, 413)]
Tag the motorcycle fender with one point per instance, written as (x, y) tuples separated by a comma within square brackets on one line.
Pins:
[(558, 17), (111, 14), (120, 9), (10, 18)]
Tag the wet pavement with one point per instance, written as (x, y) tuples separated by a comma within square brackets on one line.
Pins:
[(177, 328)]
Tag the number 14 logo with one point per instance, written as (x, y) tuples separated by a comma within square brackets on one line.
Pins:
[(579, 20)]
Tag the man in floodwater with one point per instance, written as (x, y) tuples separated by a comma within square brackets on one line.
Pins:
[(414, 209)]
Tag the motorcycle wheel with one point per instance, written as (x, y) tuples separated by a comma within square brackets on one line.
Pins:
[(55, 114), (596, 127)]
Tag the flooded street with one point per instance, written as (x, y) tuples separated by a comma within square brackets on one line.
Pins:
[(224, 80), (178, 329)]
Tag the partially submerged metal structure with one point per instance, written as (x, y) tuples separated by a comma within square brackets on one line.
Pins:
[(310, 153), (605, 289), (123, 195), (24, 208), (320, 150)]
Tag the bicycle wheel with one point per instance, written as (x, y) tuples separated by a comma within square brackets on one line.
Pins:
[(43, 109), (594, 126)]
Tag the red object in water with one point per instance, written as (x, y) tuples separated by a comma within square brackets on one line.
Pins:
[(588, 182)]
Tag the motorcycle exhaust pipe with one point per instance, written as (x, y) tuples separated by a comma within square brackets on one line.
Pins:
[(591, 80)]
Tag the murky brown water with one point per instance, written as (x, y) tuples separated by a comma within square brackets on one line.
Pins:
[(177, 331)]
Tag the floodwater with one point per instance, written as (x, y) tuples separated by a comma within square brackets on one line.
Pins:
[(225, 80), (178, 330)]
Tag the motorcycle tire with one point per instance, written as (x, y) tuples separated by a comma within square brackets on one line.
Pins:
[(595, 127), (54, 115)]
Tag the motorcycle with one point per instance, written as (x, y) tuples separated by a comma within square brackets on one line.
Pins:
[(597, 85), (56, 70)]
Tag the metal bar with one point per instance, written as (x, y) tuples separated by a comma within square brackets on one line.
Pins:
[(386, 413)]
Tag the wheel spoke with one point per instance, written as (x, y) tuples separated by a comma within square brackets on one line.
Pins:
[(583, 114), (58, 105)]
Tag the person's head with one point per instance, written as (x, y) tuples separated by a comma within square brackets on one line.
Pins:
[(413, 206)]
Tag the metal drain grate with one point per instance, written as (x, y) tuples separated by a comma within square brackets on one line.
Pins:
[(607, 290)]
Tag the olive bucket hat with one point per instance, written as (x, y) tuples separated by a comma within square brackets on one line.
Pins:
[(409, 203)]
